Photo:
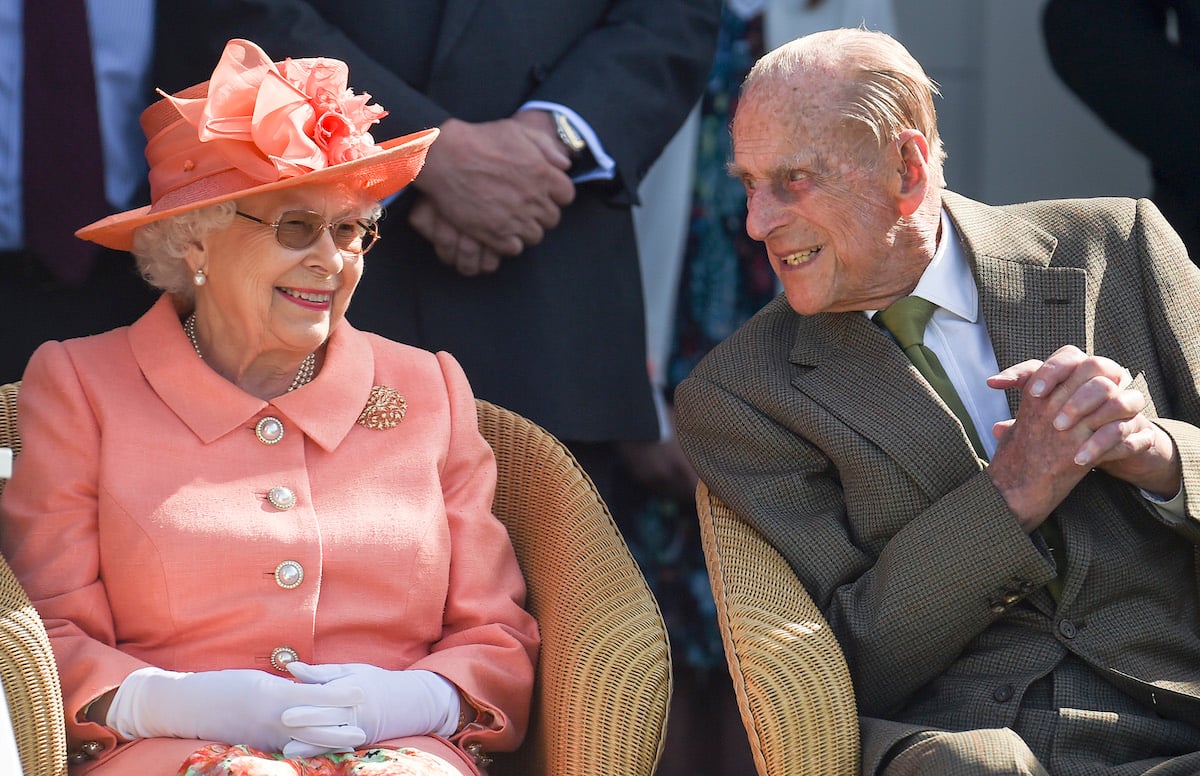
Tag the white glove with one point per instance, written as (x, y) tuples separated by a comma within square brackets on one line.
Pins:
[(394, 703), (235, 706)]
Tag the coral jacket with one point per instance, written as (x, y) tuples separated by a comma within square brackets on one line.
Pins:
[(141, 522)]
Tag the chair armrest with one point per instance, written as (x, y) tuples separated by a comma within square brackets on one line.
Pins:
[(791, 680), (604, 670), (30, 679), (27, 665)]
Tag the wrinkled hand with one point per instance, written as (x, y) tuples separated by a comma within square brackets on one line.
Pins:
[(1077, 412), (237, 706), (458, 250), (392, 704), (501, 183)]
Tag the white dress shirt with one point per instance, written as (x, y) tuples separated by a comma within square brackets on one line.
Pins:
[(958, 335)]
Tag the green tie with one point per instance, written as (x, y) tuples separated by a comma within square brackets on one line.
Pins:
[(906, 319)]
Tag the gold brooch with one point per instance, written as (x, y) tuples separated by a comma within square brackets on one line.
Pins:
[(385, 409)]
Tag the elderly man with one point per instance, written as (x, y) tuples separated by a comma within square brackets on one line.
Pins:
[(971, 430)]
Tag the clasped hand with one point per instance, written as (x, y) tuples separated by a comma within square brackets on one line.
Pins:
[(331, 708), (1077, 412), (491, 189), (236, 706), (393, 704)]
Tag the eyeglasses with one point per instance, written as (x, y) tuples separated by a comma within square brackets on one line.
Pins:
[(298, 229)]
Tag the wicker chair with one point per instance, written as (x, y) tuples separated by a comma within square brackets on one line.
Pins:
[(789, 675), (604, 675), (26, 662)]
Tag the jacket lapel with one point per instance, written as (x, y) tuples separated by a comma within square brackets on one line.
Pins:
[(856, 372), (1030, 307), (455, 17)]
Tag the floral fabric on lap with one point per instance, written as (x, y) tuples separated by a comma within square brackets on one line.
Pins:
[(224, 760)]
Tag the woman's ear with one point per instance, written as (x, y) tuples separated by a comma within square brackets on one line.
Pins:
[(194, 256), (913, 170)]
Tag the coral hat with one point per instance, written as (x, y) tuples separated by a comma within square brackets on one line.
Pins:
[(257, 126)]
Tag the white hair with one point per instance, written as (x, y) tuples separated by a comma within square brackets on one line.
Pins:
[(160, 247)]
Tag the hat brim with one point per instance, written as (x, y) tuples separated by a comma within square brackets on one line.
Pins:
[(379, 175)]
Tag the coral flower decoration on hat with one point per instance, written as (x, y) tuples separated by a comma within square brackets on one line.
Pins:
[(276, 122), (259, 126)]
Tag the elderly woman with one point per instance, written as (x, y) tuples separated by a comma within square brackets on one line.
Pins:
[(253, 531)]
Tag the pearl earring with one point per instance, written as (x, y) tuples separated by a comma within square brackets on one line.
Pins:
[(200, 278)]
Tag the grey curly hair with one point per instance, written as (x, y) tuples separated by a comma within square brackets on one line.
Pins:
[(159, 247)]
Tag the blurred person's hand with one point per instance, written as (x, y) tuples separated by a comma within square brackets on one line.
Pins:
[(660, 466), (464, 253), (501, 183)]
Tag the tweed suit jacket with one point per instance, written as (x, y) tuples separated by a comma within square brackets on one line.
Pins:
[(819, 432), (557, 334)]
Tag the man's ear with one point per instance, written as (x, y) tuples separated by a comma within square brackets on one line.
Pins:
[(913, 170)]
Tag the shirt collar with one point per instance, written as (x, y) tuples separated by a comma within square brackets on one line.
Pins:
[(947, 281)]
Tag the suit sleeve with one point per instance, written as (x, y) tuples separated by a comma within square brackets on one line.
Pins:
[(489, 642), (51, 535), (1170, 285), (635, 76)]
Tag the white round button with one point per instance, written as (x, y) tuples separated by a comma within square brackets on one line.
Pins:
[(289, 574), (281, 656), (269, 430), (282, 497)]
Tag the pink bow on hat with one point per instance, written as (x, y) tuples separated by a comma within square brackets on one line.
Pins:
[(274, 122)]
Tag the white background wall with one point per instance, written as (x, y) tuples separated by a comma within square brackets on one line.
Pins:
[(1012, 130)]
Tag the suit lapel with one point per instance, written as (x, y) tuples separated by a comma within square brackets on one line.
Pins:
[(1031, 308), (455, 18), (856, 372)]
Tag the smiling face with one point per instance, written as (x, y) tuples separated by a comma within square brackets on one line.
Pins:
[(263, 300), (830, 205)]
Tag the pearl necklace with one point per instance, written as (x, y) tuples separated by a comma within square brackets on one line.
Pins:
[(304, 375)]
